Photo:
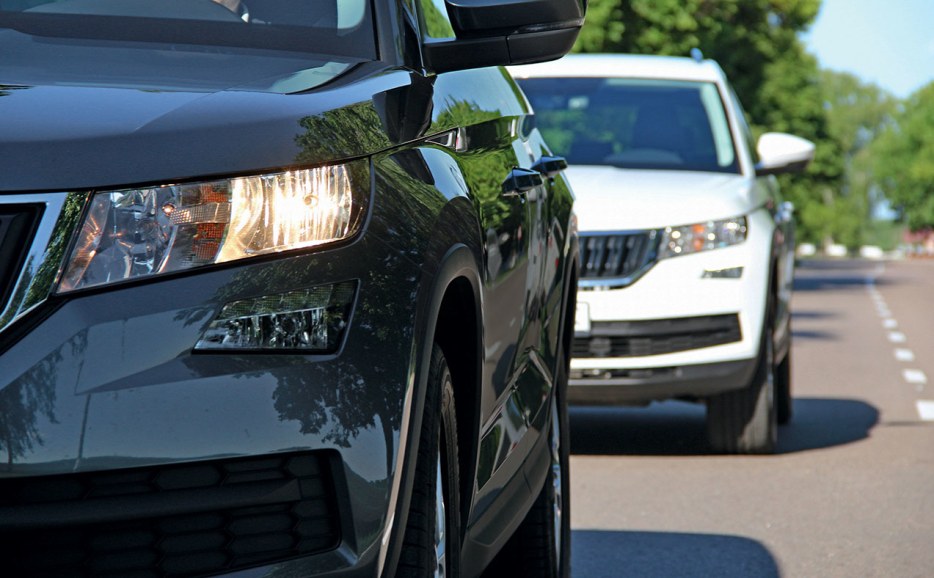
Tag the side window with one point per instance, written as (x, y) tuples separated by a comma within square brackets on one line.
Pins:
[(435, 21)]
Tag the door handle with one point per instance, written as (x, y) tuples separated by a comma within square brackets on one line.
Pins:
[(521, 181), (550, 166)]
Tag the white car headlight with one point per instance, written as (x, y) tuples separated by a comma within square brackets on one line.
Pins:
[(688, 239), (135, 233)]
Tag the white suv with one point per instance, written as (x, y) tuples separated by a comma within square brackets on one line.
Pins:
[(686, 245)]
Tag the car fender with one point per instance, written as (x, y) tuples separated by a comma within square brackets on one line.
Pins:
[(458, 262)]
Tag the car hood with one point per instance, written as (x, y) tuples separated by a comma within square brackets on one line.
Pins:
[(613, 199), (168, 127)]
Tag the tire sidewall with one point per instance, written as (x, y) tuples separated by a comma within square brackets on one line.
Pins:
[(563, 553)]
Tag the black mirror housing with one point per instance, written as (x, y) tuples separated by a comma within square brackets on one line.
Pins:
[(484, 17), (503, 32)]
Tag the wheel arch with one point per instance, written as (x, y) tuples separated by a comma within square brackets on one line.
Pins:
[(449, 312)]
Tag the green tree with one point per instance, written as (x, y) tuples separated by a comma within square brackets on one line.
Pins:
[(756, 43), (856, 114), (903, 160)]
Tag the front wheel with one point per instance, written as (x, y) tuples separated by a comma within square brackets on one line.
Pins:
[(541, 546), (432, 536), (745, 421)]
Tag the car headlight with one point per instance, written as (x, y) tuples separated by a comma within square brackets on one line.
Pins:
[(688, 239), (135, 233)]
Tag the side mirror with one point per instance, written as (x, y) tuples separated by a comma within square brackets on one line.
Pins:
[(782, 153), (501, 32)]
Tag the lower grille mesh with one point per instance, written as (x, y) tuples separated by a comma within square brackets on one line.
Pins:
[(654, 337), (179, 520)]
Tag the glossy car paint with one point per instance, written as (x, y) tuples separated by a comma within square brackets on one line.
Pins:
[(107, 378)]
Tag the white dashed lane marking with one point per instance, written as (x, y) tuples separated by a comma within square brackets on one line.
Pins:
[(904, 354), (897, 337), (914, 376), (926, 409)]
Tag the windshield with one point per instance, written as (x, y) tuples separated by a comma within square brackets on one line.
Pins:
[(280, 46), (634, 123), (332, 27)]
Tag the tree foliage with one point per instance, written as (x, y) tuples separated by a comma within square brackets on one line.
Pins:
[(756, 43), (857, 113), (903, 160)]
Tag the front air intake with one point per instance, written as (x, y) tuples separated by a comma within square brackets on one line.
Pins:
[(193, 519)]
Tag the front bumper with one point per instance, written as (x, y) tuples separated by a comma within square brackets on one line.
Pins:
[(671, 333), (641, 386), (105, 383)]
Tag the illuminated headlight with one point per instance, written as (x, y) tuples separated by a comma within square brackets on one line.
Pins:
[(135, 233), (688, 239)]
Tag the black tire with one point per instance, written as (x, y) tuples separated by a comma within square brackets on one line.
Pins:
[(541, 546), (783, 397), (422, 551), (745, 421)]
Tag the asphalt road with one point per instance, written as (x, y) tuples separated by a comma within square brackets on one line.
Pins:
[(850, 492)]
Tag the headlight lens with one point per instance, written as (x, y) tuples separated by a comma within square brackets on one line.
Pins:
[(688, 239), (136, 233)]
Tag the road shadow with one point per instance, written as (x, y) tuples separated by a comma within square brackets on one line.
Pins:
[(814, 335), (803, 314), (665, 428), (799, 316), (674, 428), (836, 264), (615, 554), (836, 275), (833, 283), (823, 423)]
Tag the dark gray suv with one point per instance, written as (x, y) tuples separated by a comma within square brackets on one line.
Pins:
[(286, 289)]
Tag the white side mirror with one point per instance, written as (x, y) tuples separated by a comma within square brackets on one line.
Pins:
[(783, 153)]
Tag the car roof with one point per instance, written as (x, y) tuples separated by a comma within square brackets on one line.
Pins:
[(623, 66)]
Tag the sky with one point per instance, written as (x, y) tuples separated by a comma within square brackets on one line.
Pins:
[(886, 42)]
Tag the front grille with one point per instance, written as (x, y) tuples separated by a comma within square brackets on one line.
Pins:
[(616, 259), (654, 337), (174, 520), (17, 226)]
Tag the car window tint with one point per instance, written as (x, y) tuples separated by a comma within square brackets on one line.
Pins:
[(634, 123)]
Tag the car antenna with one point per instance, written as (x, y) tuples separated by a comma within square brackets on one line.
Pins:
[(697, 55)]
